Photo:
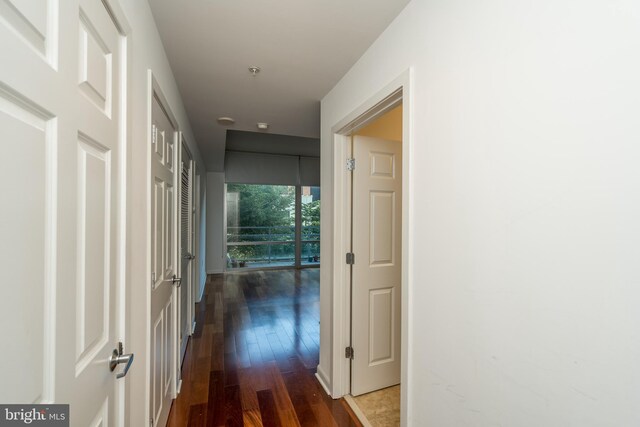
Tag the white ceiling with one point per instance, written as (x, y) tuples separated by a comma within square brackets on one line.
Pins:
[(302, 46)]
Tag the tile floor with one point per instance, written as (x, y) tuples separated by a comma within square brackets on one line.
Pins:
[(382, 407)]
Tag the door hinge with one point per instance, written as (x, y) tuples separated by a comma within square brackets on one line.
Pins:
[(153, 279), (348, 352), (151, 422), (351, 258), (351, 164), (154, 134)]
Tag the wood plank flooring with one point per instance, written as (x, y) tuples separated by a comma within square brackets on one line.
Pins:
[(252, 358)]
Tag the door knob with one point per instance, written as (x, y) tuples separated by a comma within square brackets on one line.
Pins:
[(117, 358), (176, 280), (189, 256)]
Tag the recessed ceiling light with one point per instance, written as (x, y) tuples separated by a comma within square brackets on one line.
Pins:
[(263, 126), (254, 70), (226, 121)]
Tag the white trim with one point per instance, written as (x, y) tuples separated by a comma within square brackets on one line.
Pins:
[(356, 410), (148, 320), (341, 333), (118, 16), (322, 379), (124, 398), (164, 104), (369, 115), (200, 299), (187, 276), (154, 89), (407, 246), (377, 104), (196, 241)]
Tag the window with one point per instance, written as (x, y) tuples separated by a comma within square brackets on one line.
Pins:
[(310, 212), (262, 230)]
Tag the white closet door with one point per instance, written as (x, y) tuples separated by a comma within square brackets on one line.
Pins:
[(61, 129), (164, 263)]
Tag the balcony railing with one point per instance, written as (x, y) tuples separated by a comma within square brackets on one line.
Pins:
[(252, 247)]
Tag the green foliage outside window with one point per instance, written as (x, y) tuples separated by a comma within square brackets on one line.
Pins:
[(264, 205), (266, 213), (311, 213)]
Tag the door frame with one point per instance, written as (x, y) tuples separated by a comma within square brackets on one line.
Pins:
[(196, 245), (397, 92), (154, 89)]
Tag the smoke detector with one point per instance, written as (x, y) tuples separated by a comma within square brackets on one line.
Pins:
[(254, 70), (263, 126)]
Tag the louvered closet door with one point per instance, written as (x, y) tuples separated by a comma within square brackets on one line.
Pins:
[(61, 133), (185, 249)]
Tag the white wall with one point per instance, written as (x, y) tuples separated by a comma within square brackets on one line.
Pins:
[(525, 282), (215, 222), (145, 52)]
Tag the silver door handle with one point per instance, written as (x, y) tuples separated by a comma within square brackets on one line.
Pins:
[(176, 280), (117, 358), (189, 256)]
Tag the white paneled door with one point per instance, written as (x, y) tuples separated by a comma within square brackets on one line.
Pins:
[(376, 278), (164, 254), (61, 224)]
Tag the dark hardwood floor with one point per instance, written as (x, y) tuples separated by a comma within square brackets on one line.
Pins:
[(252, 358)]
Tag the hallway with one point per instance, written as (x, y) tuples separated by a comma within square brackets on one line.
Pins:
[(252, 358)]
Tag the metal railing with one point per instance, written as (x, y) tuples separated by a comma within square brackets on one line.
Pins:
[(271, 246), (276, 233)]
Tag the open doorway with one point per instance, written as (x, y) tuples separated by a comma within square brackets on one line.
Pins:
[(376, 236), (370, 304)]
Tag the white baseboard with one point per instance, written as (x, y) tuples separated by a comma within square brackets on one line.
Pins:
[(201, 291), (322, 379)]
